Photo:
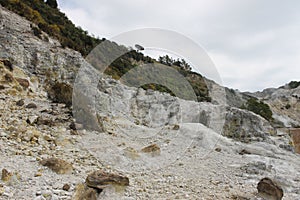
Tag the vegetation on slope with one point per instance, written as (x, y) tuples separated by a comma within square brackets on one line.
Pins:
[(55, 23), (294, 84), (50, 19), (259, 108)]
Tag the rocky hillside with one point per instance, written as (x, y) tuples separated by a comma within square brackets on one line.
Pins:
[(63, 137), (46, 17), (284, 102)]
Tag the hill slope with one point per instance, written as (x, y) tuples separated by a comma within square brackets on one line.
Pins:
[(57, 25)]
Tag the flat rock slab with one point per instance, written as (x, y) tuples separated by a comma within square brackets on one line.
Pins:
[(100, 179), (57, 165)]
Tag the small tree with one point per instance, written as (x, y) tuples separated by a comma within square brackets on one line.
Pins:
[(52, 3)]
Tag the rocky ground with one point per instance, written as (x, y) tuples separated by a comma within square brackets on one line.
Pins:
[(45, 155)]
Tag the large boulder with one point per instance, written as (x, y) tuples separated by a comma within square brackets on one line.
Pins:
[(245, 126), (268, 189)]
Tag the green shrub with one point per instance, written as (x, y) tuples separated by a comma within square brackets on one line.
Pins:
[(294, 84), (259, 108), (52, 3)]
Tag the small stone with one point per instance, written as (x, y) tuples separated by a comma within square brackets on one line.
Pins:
[(244, 151), (152, 149), (32, 119), (57, 165), (20, 102), (66, 187), (100, 179), (6, 176), (268, 189), (176, 127), (76, 126), (23, 82), (9, 78), (31, 106), (38, 174), (218, 149), (48, 138), (44, 121)]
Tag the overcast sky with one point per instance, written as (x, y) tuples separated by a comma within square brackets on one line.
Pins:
[(254, 44)]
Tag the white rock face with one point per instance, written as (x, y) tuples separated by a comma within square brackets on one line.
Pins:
[(32, 54), (110, 98), (246, 126)]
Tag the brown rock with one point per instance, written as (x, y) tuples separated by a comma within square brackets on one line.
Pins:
[(7, 64), (269, 189), (57, 165), (244, 151), (66, 187), (9, 78), (100, 179), (61, 92), (45, 121), (32, 119), (218, 149), (38, 174), (31, 106), (2, 87), (23, 82), (20, 102), (76, 126), (153, 149), (48, 138), (6, 176), (176, 127), (295, 135), (82, 192)]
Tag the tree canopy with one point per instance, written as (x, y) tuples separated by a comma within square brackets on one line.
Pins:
[(52, 3)]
